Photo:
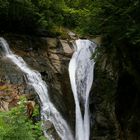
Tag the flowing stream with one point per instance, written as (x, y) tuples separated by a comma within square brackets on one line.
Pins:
[(33, 77), (81, 68)]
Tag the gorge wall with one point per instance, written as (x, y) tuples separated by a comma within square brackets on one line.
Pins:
[(49, 56), (114, 98)]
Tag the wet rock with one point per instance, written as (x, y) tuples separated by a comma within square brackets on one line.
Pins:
[(51, 59), (51, 134)]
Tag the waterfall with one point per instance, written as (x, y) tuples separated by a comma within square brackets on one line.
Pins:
[(48, 110), (81, 68)]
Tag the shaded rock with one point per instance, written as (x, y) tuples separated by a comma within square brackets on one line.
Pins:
[(51, 134), (66, 47), (52, 42), (4, 106), (97, 40), (9, 96), (101, 120)]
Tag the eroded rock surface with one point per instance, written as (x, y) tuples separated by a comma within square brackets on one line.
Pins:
[(49, 56)]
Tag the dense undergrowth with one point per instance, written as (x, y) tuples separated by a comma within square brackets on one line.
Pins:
[(15, 124)]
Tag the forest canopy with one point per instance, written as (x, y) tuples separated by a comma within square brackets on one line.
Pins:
[(95, 17)]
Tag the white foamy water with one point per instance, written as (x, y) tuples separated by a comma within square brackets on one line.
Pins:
[(81, 68), (49, 112)]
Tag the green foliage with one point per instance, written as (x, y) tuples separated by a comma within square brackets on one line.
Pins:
[(117, 21), (118, 24), (114, 20), (27, 16), (15, 125), (18, 15), (73, 17), (78, 4)]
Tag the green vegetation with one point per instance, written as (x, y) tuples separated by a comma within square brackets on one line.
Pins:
[(27, 16), (15, 125), (117, 21), (106, 17)]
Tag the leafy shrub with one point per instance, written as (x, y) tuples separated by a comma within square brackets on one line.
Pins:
[(15, 125)]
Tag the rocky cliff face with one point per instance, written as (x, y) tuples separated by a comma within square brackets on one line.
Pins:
[(114, 101), (49, 56), (114, 98)]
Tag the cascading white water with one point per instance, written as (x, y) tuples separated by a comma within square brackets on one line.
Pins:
[(81, 68), (49, 112)]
